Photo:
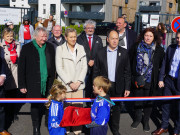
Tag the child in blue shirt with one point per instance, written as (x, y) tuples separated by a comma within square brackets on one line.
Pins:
[(56, 111), (100, 110)]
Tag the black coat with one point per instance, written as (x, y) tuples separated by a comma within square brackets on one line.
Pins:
[(122, 73), (29, 69), (157, 62), (96, 45), (2, 71), (55, 43)]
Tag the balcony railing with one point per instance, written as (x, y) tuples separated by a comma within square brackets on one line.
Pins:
[(150, 8), (4, 2), (85, 15), (82, 1), (33, 1)]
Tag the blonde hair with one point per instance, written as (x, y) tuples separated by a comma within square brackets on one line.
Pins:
[(102, 82), (56, 89), (7, 31), (68, 30)]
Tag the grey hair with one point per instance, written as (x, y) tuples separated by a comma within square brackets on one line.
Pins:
[(68, 30), (91, 22), (39, 29), (39, 18)]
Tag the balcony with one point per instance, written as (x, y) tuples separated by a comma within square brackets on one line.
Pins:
[(82, 1), (4, 2), (85, 15), (32, 1), (149, 8)]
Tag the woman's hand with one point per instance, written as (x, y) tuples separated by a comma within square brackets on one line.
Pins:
[(161, 84), (77, 85), (2, 79), (23, 90), (73, 86)]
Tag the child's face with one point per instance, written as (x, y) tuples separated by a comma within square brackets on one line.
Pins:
[(61, 97)]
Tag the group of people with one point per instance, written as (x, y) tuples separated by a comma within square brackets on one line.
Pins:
[(126, 65)]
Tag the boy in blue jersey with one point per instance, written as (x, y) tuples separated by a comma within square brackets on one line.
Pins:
[(100, 110)]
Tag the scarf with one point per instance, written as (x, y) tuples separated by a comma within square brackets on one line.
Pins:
[(144, 53), (12, 49), (121, 39), (43, 66)]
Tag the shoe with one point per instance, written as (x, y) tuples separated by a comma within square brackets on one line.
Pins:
[(159, 131), (146, 127), (135, 124), (5, 133)]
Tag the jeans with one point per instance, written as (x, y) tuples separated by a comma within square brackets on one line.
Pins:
[(25, 42)]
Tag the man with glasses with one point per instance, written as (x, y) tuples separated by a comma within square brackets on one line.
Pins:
[(57, 39), (92, 44)]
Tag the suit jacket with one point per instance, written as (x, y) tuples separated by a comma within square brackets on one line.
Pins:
[(67, 69), (2, 71), (55, 43), (166, 65), (122, 73), (29, 69), (96, 45)]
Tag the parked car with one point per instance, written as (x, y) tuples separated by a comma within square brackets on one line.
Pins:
[(103, 27)]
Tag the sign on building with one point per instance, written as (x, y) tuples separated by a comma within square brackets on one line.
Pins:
[(154, 20), (10, 14)]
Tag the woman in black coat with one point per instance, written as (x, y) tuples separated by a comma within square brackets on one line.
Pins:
[(30, 72), (147, 61)]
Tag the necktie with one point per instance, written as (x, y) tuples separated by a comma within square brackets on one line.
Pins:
[(90, 42)]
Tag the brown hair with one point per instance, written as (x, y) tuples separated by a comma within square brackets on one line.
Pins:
[(163, 29), (102, 82), (56, 90), (69, 30), (7, 31), (156, 40)]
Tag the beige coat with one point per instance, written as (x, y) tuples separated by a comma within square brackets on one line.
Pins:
[(11, 75), (67, 69)]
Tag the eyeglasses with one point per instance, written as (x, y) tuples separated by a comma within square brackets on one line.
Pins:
[(57, 30), (90, 28)]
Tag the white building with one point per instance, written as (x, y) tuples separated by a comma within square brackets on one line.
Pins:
[(19, 3)]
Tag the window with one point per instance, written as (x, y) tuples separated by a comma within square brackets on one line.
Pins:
[(120, 12), (53, 9), (142, 3), (154, 3), (13, 0), (77, 8), (44, 8), (22, 5)]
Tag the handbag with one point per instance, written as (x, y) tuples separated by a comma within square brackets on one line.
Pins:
[(140, 80)]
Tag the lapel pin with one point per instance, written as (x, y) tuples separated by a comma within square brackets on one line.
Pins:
[(97, 42), (119, 54)]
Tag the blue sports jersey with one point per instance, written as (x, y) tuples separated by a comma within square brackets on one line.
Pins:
[(56, 112), (100, 110)]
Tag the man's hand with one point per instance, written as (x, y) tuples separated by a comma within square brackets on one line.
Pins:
[(91, 63), (23, 90), (161, 84), (126, 93), (2, 79)]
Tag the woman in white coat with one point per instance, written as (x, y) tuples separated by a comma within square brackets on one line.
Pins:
[(71, 66)]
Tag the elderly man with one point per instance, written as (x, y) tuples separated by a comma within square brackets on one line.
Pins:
[(58, 38), (49, 24), (113, 62), (92, 44), (36, 73)]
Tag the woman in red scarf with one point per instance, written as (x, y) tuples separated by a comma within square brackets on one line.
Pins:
[(10, 52)]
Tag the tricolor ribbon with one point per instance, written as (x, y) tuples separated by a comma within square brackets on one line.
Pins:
[(43, 100)]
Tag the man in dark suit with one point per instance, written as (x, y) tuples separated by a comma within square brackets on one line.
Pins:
[(92, 44), (2, 112), (127, 39), (58, 38), (171, 70), (113, 62)]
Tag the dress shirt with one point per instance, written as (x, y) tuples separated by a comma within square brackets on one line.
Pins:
[(58, 40), (73, 53), (111, 61), (125, 41), (91, 39), (175, 64)]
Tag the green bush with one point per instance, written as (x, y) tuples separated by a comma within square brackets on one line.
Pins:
[(78, 29)]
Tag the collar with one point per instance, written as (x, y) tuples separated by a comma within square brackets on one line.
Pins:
[(57, 39), (89, 36), (108, 50), (122, 33), (75, 48)]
